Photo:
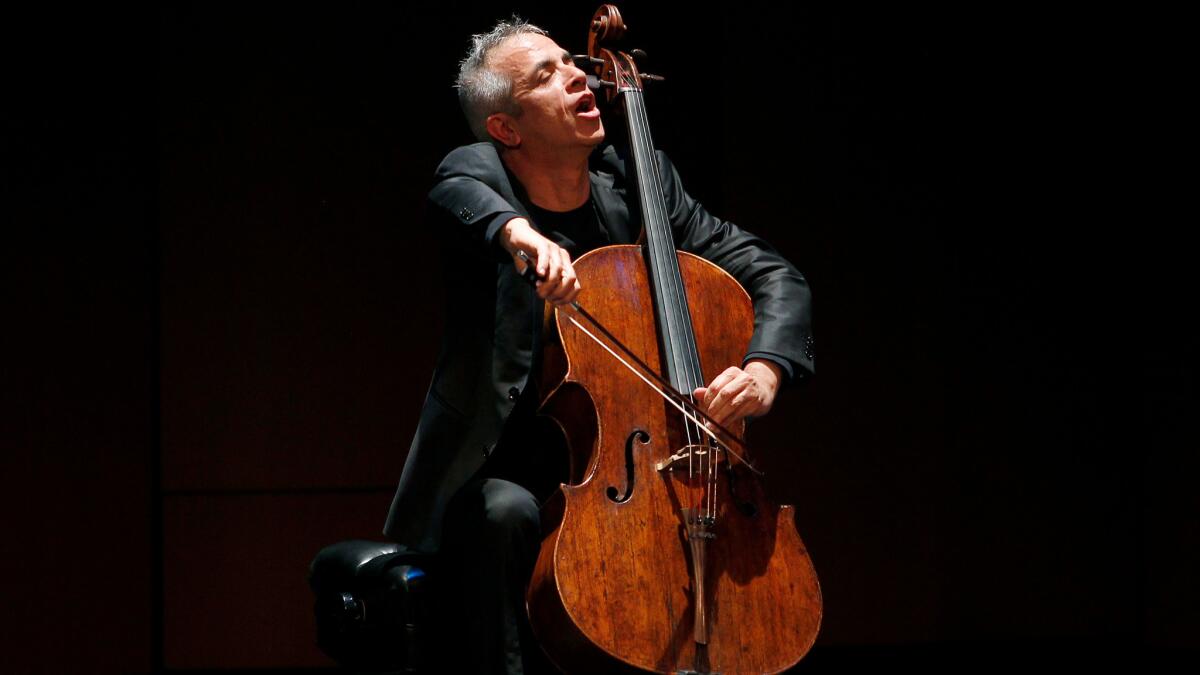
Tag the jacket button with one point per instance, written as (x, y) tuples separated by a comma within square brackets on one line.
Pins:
[(513, 393), (465, 213)]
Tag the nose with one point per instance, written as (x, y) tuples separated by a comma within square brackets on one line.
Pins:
[(577, 78)]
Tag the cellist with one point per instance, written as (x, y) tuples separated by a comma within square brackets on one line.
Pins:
[(541, 181)]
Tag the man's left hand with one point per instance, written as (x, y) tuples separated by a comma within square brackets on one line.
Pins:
[(737, 394)]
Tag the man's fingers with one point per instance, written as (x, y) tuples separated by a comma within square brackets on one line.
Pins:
[(737, 399), (540, 258), (719, 383), (560, 284), (552, 279), (565, 274), (733, 395), (570, 283), (699, 394), (722, 402), (543, 251), (556, 280)]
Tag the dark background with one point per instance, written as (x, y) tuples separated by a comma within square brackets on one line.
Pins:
[(219, 329)]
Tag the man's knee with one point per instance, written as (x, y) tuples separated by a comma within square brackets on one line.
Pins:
[(508, 507)]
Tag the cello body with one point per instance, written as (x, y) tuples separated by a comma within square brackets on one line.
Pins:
[(613, 589)]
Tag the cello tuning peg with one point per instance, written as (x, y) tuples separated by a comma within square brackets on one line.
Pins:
[(652, 78), (584, 61), (639, 54), (596, 83)]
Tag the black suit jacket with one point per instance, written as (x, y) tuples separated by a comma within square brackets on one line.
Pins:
[(494, 317)]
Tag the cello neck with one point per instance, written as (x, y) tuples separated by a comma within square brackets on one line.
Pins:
[(678, 341)]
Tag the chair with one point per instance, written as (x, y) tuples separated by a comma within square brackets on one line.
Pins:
[(374, 608)]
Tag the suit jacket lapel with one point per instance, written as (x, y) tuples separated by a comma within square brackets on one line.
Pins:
[(610, 204)]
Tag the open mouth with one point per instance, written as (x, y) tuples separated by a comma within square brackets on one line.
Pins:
[(587, 107)]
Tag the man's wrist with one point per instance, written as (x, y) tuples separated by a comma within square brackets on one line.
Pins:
[(510, 233)]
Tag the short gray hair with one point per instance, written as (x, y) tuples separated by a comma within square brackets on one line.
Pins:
[(483, 90)]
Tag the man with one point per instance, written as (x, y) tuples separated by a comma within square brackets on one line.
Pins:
[(479, 464)]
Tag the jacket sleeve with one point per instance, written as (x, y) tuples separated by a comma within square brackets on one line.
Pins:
[(468, 189), (781, 296)]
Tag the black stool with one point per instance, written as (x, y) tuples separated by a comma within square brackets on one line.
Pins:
[(373, 606)]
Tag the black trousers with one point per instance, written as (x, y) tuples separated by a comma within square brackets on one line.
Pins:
[(491, 541)]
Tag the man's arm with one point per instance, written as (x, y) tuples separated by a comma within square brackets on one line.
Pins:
[(782, 299), (474, 190)]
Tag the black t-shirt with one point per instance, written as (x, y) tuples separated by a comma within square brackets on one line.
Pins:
[(531, 451), (578, 230)]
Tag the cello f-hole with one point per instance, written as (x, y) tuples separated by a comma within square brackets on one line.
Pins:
[(642, 437)]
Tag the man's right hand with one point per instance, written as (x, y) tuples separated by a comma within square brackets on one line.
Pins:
[(556, 276)]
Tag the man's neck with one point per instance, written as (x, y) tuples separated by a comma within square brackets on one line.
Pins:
[(555, 183)]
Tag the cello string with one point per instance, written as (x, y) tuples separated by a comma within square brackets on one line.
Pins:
[(652, 202), (708, 454), (667, 276), (666, 251)]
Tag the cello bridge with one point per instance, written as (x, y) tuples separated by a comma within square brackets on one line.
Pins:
[(694, 451)]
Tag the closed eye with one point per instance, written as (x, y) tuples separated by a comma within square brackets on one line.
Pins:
[(548, 67)]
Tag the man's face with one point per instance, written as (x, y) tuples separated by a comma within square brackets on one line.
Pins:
[(558, 111)]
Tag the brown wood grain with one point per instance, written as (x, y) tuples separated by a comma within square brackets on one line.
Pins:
[(613, 589)]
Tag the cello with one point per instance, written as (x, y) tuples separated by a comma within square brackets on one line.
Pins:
[(662, 554)]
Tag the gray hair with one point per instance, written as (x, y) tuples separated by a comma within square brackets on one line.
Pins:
[(483, 91)]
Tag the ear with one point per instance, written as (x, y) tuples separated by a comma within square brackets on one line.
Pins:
[(502, 127)]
